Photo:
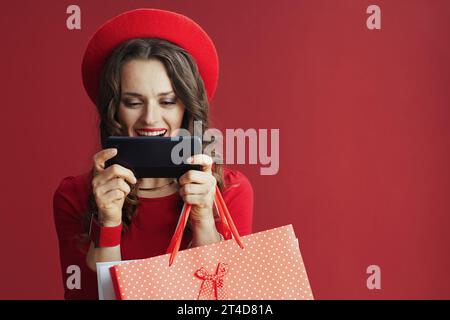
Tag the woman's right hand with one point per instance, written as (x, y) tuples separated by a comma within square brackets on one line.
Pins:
[(110, 187)]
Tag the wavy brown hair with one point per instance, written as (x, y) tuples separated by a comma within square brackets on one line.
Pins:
[(187, 85)]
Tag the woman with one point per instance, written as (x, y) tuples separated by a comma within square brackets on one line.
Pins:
[(153, 77)]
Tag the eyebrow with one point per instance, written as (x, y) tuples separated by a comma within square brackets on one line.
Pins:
[(135, 94)]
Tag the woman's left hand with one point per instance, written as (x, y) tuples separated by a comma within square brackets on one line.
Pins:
[(198, 189)]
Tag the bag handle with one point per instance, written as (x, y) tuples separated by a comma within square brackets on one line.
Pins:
[(228, 225)]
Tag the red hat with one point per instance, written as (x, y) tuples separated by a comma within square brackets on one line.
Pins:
[(150, 23)]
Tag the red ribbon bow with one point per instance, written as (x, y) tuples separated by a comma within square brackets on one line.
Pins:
[(212, 285)]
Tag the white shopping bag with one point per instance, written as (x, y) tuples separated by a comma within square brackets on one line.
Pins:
[(104, 282)]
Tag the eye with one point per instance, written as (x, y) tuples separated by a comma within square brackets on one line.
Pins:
[(130, 104), (168, 102)]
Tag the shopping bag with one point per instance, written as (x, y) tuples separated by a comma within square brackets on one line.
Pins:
[(265, 265), (105, 284)]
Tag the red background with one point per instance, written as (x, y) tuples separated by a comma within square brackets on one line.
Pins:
[(363, 118)]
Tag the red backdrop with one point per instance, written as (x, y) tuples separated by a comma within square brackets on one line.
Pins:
[(363, 118)]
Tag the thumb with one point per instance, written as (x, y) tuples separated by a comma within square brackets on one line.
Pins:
[(102, 156), (203, 160)]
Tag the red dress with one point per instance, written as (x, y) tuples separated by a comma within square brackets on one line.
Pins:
[(148, 235)]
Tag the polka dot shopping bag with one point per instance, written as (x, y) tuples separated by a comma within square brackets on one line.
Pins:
[(265, 265)]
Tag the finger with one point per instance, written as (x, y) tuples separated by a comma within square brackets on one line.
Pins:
[(195, 199), (115, 183), (117, 170), (114, 195), (195, 176), (192, 188), (101, 157), (114, 171), (201, 159)]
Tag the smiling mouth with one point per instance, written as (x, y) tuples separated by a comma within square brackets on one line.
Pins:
[(143, 133)]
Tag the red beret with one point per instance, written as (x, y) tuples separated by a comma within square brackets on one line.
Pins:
[(150, 23)]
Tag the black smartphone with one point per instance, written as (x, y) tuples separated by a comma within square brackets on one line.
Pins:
[(154, 157)]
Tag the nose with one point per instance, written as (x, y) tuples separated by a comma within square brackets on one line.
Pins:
[(151, 112)]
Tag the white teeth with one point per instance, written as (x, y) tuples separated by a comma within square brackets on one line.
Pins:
[(151, 134)]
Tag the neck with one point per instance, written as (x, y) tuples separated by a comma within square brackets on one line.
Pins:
[(169, 188), (153, 182)]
